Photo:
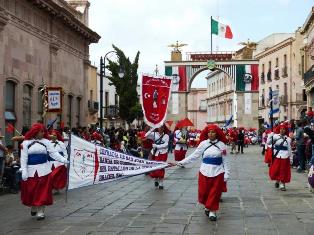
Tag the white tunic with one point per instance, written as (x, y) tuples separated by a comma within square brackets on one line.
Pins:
[(203, 151), (160, 145), (280, 142), (177, 136), (59, 146), (44, 148)]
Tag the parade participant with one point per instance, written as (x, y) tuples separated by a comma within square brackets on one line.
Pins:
[(240, 138), (280, 167), (96, 138), (59, 171), (159, 152), (180, 139), (214, 170), (36, 185), (234, 139), (267, 147)]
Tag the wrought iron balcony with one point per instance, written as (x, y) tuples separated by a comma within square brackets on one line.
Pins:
[(276, 73), (93, 106), (309, 75), (284, 71), (262, 77), (269, 75), (111, 111), (284, 100)]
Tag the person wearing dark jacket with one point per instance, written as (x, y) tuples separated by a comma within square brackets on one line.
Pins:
[(240, 141)]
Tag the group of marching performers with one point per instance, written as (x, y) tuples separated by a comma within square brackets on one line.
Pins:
[(43, 167), (214, 170), (278, 155)]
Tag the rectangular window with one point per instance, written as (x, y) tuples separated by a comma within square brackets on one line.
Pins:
[(10, 96), (106, 99), (116, 100)]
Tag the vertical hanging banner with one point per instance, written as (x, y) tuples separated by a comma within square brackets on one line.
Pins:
[(91, 164), (155, 94)]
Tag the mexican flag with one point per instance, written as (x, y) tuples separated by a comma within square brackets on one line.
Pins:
[(220, 29)]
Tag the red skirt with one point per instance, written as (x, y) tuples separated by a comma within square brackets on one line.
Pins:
[(179, 155), (159, 173), (37, 191), (268, 156), (280, 170), (210, 190), (59, 177)]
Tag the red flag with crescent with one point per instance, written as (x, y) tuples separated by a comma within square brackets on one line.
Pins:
[(155, 96)]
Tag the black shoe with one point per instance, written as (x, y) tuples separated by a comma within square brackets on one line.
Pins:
[(156, 184), (276, 185), (213, 218), (33, 213), (207, 213), (220, 200), (161, 187)]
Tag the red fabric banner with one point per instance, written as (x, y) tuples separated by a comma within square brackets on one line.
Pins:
[(183, 79), (155, 95), (254, 72)]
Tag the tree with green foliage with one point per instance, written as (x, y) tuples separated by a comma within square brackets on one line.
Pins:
[(129, 106)]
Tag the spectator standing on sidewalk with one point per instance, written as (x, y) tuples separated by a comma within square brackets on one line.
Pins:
[(240, 140), (300, 146)]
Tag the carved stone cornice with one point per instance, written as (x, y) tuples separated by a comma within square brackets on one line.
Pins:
[(68, 18), (3, 18), (54, 45)]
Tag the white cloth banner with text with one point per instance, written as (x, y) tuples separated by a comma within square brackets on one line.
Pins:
[(91, 164)]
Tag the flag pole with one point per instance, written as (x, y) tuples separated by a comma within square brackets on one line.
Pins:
[(271, 121), (211, 35), (68, 167)]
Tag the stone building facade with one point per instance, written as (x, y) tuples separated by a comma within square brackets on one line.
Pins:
[(279, 67), (43, 42), (220, 97), (197, 107), (307, 57)]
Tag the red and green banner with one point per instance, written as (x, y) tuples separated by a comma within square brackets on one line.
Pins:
[(179, 78), (247, 77)]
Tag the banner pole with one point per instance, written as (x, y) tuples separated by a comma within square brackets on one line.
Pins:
[(271, 121), (68, 167)]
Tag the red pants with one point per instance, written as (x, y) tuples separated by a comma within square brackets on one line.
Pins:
[(210, 190), (37, 191), (159, 173), (179, 155), (280, 170), (59, 177)]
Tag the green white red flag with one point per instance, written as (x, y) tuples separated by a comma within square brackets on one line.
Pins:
[(220, 29)]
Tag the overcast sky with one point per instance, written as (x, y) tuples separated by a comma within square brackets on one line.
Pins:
[(149, 26)]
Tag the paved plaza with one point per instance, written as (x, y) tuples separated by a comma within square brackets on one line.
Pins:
[(133, 206)]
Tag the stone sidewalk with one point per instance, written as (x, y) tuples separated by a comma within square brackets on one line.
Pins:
[(133, 206)]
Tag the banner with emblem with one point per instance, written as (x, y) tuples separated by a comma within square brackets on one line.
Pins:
[(91, 164), (155, 94)]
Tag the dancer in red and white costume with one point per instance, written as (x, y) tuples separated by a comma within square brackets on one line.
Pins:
[(214, 171), (280, 167), (180, 138), (36, 187), (159, 152), (59, 170)]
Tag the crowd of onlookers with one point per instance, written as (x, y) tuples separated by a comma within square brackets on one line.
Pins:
[(133, 141)]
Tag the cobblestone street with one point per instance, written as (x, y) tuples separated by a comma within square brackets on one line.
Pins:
[(133, 206)]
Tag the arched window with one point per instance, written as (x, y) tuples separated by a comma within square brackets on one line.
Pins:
[(27, 105), (9, 114)]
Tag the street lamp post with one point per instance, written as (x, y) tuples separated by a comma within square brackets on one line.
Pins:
[(101, 91)]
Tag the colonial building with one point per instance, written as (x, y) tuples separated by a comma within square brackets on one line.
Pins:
[(43, 42), (279, 61), (307, 57), (220, 97), (197, 107), (110, 105), (92, 96)]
